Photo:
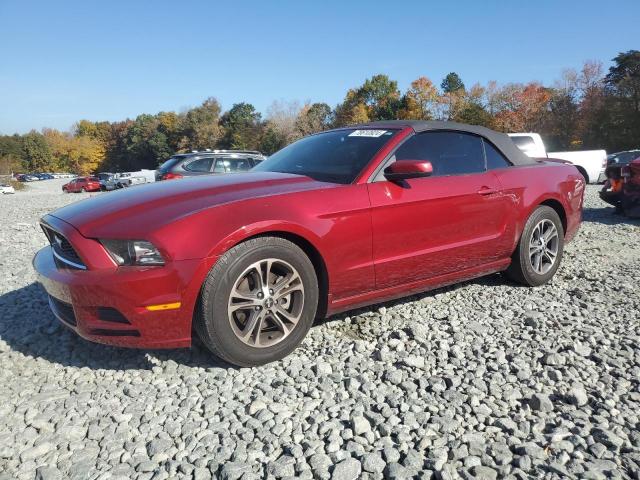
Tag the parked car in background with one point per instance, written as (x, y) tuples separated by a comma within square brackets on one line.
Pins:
[(6, 189), (26, 177), (622, 188), (82, 184), (208, 163), (622, 158), (128, 179), (335, 221), (590, 163), (104, 177)]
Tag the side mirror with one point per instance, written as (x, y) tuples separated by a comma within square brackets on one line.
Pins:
[(406, 169)]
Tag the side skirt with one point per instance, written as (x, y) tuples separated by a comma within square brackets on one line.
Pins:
[(407, 289)]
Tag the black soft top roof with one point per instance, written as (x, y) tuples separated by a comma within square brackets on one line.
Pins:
[(499, 140)]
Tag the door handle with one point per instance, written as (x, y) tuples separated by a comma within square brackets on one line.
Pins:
[(487, 191)]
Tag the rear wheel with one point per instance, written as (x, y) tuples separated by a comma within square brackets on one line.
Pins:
[(540, 249), (83, 190), (258, 302)]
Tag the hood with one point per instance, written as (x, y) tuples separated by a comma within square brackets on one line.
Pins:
[(137, 210)]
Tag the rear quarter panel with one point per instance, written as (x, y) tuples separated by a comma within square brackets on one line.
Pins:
[(530, 186)]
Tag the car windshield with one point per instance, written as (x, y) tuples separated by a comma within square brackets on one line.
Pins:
[(337, 156)]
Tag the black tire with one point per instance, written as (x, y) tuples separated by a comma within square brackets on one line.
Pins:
[(212, 319), (584, 174), (521, 269)]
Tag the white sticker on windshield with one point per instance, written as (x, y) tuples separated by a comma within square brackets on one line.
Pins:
[(367, 133)]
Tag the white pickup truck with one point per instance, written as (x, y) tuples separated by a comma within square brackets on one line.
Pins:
[(590, 163), (127, 179)]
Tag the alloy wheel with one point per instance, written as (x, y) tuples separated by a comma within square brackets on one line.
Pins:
[(543, 246), (266, 302)]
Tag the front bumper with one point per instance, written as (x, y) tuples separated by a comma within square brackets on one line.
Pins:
[(109, 305), (612, 198), (602, 177)]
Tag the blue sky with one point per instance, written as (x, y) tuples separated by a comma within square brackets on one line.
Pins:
[(63, 61)]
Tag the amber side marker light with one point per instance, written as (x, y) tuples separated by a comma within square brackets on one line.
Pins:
[(163, 306)]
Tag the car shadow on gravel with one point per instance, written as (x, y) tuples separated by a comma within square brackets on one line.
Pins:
[(28, 326), (606, 216)]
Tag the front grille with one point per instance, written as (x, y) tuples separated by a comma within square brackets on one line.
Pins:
[(62, 310), (63, 250)]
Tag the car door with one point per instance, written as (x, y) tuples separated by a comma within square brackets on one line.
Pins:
[(452, 221)]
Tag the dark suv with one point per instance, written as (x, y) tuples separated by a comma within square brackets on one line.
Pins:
[(208, 162)]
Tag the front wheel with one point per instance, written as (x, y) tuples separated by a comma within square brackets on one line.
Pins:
[(83, 190), (258, 302), (540, 249)]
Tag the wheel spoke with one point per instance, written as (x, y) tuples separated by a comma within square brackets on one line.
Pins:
[(253, 325), (289, 284), (550, 234), (291, 318), (538, 262), (550, 256)]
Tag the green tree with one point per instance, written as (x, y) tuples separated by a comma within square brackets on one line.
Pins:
[(624, 77), (314, 118), (378, 98), (37, 153), (271, 141), (242, 127), (146, 146), (452, 83), (200, 126)]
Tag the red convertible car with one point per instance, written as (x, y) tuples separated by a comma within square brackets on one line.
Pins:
[(337, 220)]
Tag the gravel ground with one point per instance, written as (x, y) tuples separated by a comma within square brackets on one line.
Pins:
[(481, 380)]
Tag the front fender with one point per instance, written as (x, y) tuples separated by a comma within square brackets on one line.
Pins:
[(264, 227)]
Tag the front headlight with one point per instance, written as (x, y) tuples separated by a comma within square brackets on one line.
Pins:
[(133, 252)]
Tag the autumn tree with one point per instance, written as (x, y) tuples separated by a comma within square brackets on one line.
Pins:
[(80, 154), (521, 108), (314, 118), (420, 101)]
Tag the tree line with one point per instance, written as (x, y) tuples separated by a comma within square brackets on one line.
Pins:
[(585, 108)]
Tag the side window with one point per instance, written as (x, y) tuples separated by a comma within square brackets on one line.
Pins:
[(238, 164), (450, 153), (199, 165), (495, 159), (219, 168)]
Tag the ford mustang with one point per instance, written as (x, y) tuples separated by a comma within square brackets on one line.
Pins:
[(337, 220)]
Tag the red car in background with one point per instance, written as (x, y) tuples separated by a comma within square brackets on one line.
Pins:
[(334, 221), (82, 184)]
